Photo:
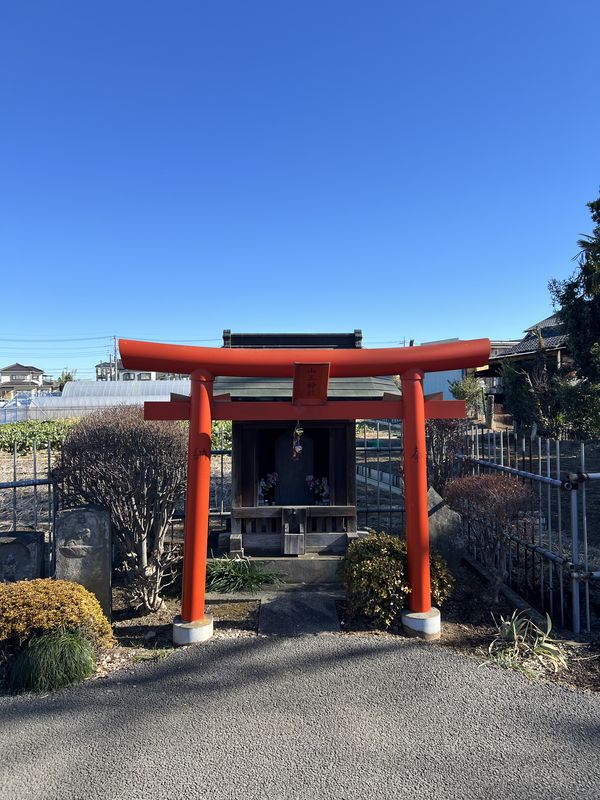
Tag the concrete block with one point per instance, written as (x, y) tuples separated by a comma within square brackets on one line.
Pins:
[(192, 632), (309, 569), (422, 624), (21, 556)]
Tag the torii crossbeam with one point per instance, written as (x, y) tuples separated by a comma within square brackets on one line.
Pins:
[(310, 370)]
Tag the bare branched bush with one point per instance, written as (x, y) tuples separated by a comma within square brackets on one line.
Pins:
[(137, 470), (445, 438), (492, 506)]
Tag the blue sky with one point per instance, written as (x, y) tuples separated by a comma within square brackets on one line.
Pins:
[(167, 170)]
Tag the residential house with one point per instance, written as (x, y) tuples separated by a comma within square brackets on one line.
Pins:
[(21, 379), (436, 382), (545, 338)]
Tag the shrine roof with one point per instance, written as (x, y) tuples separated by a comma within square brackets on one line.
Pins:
[(306, 341), (115, 392), (281, 388)]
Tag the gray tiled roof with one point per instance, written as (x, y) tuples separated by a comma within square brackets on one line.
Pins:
[(281, 388), (21, 368), (549, 322), (531, 343)]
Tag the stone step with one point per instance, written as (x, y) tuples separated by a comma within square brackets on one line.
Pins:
[(308, 569)]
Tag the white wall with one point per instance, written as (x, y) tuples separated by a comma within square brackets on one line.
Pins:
[(438, 381)]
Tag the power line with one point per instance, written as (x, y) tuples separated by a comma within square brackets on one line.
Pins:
[(168, 341), (82, 351), (82, 339)]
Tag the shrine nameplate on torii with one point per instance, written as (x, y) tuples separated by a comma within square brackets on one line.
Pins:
[(310, 370)]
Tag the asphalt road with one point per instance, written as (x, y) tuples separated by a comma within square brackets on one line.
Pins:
[(324, 716)]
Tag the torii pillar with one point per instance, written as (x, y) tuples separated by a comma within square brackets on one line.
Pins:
[(421, 619), (310, 370)]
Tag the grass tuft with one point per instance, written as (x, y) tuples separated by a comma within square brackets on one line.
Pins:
[(522, 645), (52, 661), (229, 575)]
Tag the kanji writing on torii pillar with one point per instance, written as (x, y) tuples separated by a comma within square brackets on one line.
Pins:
[(310, 370)]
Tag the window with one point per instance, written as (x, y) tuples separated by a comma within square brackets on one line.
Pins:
[(128, 376), (144, 376)]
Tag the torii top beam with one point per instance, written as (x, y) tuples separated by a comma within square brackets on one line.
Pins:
[(256, 363)]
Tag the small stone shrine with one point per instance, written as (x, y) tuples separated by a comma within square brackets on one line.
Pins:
[(83, 551)]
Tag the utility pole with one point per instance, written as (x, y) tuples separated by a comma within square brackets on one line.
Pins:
[(115, 357)]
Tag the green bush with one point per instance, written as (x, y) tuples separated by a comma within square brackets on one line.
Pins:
[(237, 574), (42, 606), (24, 434), (52, 661), (375, 576), (221, 435)]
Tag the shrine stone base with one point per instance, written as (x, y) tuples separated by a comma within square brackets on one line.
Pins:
[(192, 632), (422, 624)]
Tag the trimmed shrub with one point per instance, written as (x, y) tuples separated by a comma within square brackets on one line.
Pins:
[(52, 661), (375, 576), (493, 506), (42, 606)]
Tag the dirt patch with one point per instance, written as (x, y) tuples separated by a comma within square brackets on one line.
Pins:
[(148, 636), (468, 628)]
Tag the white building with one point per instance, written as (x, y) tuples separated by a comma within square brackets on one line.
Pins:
[(105, 371), (21, 379)]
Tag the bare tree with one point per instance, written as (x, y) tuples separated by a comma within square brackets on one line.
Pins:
[(137, 470), (445, 438)]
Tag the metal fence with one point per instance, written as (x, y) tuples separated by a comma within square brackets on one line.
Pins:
[(553, 556), (27, 494), (29, 499), (379, 487)]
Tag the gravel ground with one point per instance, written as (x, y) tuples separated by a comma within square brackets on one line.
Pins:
[(321, 716)]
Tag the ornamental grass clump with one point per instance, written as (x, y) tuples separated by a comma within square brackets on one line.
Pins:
[(51, 662), (228, 575), (522, 645), (375, 575)]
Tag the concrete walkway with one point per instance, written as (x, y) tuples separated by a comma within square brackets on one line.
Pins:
[(298, 611), (316, 716)]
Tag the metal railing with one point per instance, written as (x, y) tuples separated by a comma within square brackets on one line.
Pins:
[(552, 559), (379, 455), (28, 499)]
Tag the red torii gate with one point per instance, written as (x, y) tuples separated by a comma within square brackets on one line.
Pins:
[(310, 370)]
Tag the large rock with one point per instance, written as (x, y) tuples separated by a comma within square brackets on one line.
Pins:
[(83, 551), (445, 527)]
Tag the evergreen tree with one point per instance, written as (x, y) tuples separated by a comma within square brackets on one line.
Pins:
[(578, 301)]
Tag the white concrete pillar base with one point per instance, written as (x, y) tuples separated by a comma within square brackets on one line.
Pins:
[(424, 624), (192, 632)]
